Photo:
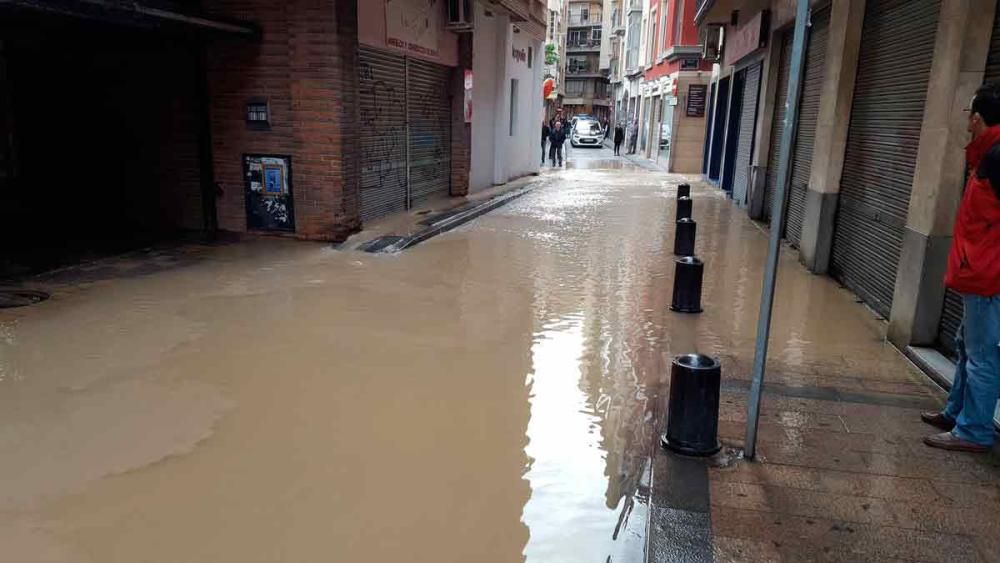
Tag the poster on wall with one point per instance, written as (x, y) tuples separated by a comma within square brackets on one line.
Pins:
[(414, 25), (468, 96), (268, 188), (697, 94)]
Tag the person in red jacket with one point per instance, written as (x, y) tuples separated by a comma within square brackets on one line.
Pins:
[(974, 272)]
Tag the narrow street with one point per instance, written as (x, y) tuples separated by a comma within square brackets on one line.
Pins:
[(494, 394)]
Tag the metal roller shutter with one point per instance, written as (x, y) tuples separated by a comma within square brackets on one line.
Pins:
[(884, 133), (951, 315), (382, 104), (778, 123), (748, 118), (429, 112), (805, 135)]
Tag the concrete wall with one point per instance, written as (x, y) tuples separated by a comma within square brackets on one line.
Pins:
[(498, 155), (688, 143), (486, 76), (522, 150)]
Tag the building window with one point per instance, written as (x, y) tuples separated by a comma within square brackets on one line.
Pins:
[(651, 46), (595, 36), (513, 106), (662, 39), (678, 21), (574, 87), (531, 55), (257, 114), (577, 38)]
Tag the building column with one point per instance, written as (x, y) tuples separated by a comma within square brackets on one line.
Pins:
[(816, 241), (960, 51)]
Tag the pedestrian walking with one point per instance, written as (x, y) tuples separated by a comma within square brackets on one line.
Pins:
[(619, 138), (556, 139), (545, 138), (974, 272), (606, 125)]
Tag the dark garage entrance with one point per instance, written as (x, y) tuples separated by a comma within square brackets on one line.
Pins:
[(102, 138)]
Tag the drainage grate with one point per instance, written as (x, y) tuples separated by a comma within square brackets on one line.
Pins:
[(10, 298)]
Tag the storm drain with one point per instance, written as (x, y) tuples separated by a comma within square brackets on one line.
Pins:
[(10, 298)]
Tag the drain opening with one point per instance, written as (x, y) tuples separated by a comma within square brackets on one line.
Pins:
[(10, 298)]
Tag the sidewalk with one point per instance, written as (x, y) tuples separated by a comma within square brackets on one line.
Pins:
[(842, 473)]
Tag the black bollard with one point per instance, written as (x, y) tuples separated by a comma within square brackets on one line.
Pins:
[(684, 235), (693, 407), (684, 190), (687, 285), (684, 205)]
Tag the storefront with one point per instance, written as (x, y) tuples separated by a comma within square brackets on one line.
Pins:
[(883, 139), (805, 133)]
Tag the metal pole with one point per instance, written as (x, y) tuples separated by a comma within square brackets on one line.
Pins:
[(777, 225)]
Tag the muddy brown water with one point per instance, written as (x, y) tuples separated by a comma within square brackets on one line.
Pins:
[(488, 396)]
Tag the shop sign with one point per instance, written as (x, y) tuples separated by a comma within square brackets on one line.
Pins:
[(519, 55), (697, 96), (414, 25)]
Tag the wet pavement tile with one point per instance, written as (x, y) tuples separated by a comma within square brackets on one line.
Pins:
[(826, 538)]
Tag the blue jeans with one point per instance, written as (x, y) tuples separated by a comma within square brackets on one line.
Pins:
[(976, 388)]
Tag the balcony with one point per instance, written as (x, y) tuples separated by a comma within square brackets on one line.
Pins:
[(588, 71), (701, 8), (579, 20), (583, 46)]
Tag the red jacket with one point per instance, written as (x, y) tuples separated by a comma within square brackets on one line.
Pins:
[(974, 261)]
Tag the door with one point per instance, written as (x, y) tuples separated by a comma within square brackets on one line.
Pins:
[(951, 314), (429, 113), (733, 130), (718, 130), (882, 141), (706, 149), (802, 147), (405, 115), (382, 105), (778, 123), (666, 134), (748, 129), (805, 135)]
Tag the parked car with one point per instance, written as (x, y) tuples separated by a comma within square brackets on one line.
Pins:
[(587, 133)]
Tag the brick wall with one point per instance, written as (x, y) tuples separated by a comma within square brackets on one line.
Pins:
[(305, 65), (461, 132)]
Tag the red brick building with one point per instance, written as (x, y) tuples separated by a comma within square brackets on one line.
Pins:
[(122, 124)]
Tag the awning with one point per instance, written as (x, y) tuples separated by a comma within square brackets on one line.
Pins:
[(133, 14)]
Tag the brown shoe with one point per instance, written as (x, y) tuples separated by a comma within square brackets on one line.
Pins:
[(948, 441), (938, 420)]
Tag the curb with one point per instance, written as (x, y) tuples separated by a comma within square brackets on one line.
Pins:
[(445, 222)]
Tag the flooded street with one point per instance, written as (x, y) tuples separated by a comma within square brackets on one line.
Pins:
[(493, 395)]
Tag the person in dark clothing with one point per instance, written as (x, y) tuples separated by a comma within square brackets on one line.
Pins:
[(556, 139), (545, 137), (607, 128), (619, 139)]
